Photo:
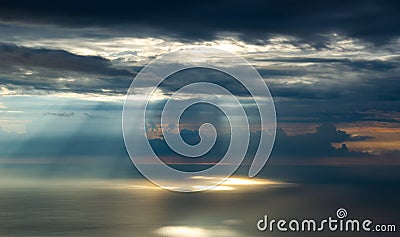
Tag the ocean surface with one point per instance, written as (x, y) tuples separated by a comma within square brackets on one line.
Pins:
[(68, 206)]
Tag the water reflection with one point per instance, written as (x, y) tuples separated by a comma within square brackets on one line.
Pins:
[(136, 207)]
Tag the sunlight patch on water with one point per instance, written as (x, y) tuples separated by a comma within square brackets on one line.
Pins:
[(230, 184), (193, 231), (236, 183)]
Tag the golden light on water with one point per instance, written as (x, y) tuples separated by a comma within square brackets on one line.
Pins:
[(236, 183), (246, 181), (195, 231), (215, 188), (230, 184), (181, 231)]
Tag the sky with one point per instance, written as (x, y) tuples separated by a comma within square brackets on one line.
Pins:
[(331, 68)]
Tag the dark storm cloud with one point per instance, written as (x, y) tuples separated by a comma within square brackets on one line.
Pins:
[(341, 110), (193, 75), (24, 69), (17, 56), (340, 90), (374, 90), (375, 21), (317, 144), (357, 64), (333, 79), (333, 90), (329, 115)]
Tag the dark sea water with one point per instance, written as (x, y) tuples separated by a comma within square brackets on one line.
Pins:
[(135, 207)]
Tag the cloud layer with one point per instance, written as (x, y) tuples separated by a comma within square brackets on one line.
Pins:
[(250, 20)]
